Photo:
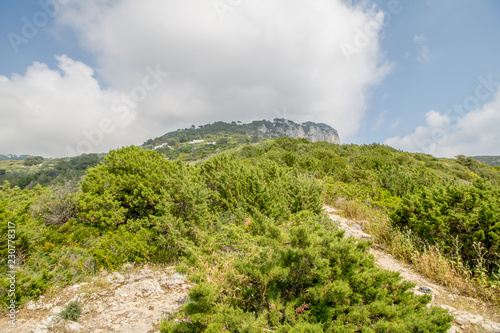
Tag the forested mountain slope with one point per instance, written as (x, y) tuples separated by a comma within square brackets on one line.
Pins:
[(493, 161), (220, 136)]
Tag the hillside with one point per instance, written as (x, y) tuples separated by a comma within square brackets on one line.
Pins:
[(12, 157), (493, 161), (247, 229), (221, 136), (159, 291), (46, 172), (257, 130), (190, 144)]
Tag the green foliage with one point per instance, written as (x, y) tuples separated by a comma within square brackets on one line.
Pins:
[(493, 161), (313, 280), (247, 225), (136, 185), (14, 215), (71, 311), (82, 162), (33, 160), (56, 207), (51, 172), (123, 245), (458, 218), (222, 141), (266, 188)]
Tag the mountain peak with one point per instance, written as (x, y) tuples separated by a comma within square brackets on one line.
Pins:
[(281, 127), (264, 129)]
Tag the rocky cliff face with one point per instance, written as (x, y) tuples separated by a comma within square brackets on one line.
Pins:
[(277, 128), (313, 132)]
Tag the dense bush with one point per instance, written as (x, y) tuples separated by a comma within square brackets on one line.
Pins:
[(266, 188), (307, 279), (135, 185), (14, 208), (33, 160), (56, 207), (462, 219)]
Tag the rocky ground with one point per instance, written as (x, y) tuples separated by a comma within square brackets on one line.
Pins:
[(136, 299), (133, 301)]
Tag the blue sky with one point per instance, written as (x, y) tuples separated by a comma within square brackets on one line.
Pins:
[(93, 76), (461, 39), (42, 47)]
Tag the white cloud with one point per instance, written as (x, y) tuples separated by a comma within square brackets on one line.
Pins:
[(380, 119), (423, 49), (446, 135), (48, 112), (395, 124), (264, 55)]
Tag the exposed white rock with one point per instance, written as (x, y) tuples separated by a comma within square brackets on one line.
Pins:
[(47, 324), (56, 310), (465, 318), (309, 130), (135, 301), (76, 288), (72, 326), (31, 305)]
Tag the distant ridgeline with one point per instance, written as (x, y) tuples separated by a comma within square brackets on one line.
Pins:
[(493, 161), (12, 157), (255, 131)]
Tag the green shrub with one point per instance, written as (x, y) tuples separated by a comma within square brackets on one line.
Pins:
[(247, 227), (32, 160), (461, 219), (71, 311), (134, 185), (266, 188), (313, 280), (56, 207), (118, 247)]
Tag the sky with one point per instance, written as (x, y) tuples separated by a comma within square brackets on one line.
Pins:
[(88, 76)]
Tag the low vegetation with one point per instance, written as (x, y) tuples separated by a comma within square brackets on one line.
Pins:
[(31, 171), (72, 311), (493, 161), (247, 226)]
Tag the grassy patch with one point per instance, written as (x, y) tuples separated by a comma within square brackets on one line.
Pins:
[(71, 311)]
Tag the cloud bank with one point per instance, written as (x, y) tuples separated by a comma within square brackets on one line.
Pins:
[(53, 112), (466, 129), (243, 62)]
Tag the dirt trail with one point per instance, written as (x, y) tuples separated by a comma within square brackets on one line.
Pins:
[(471, 315)]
